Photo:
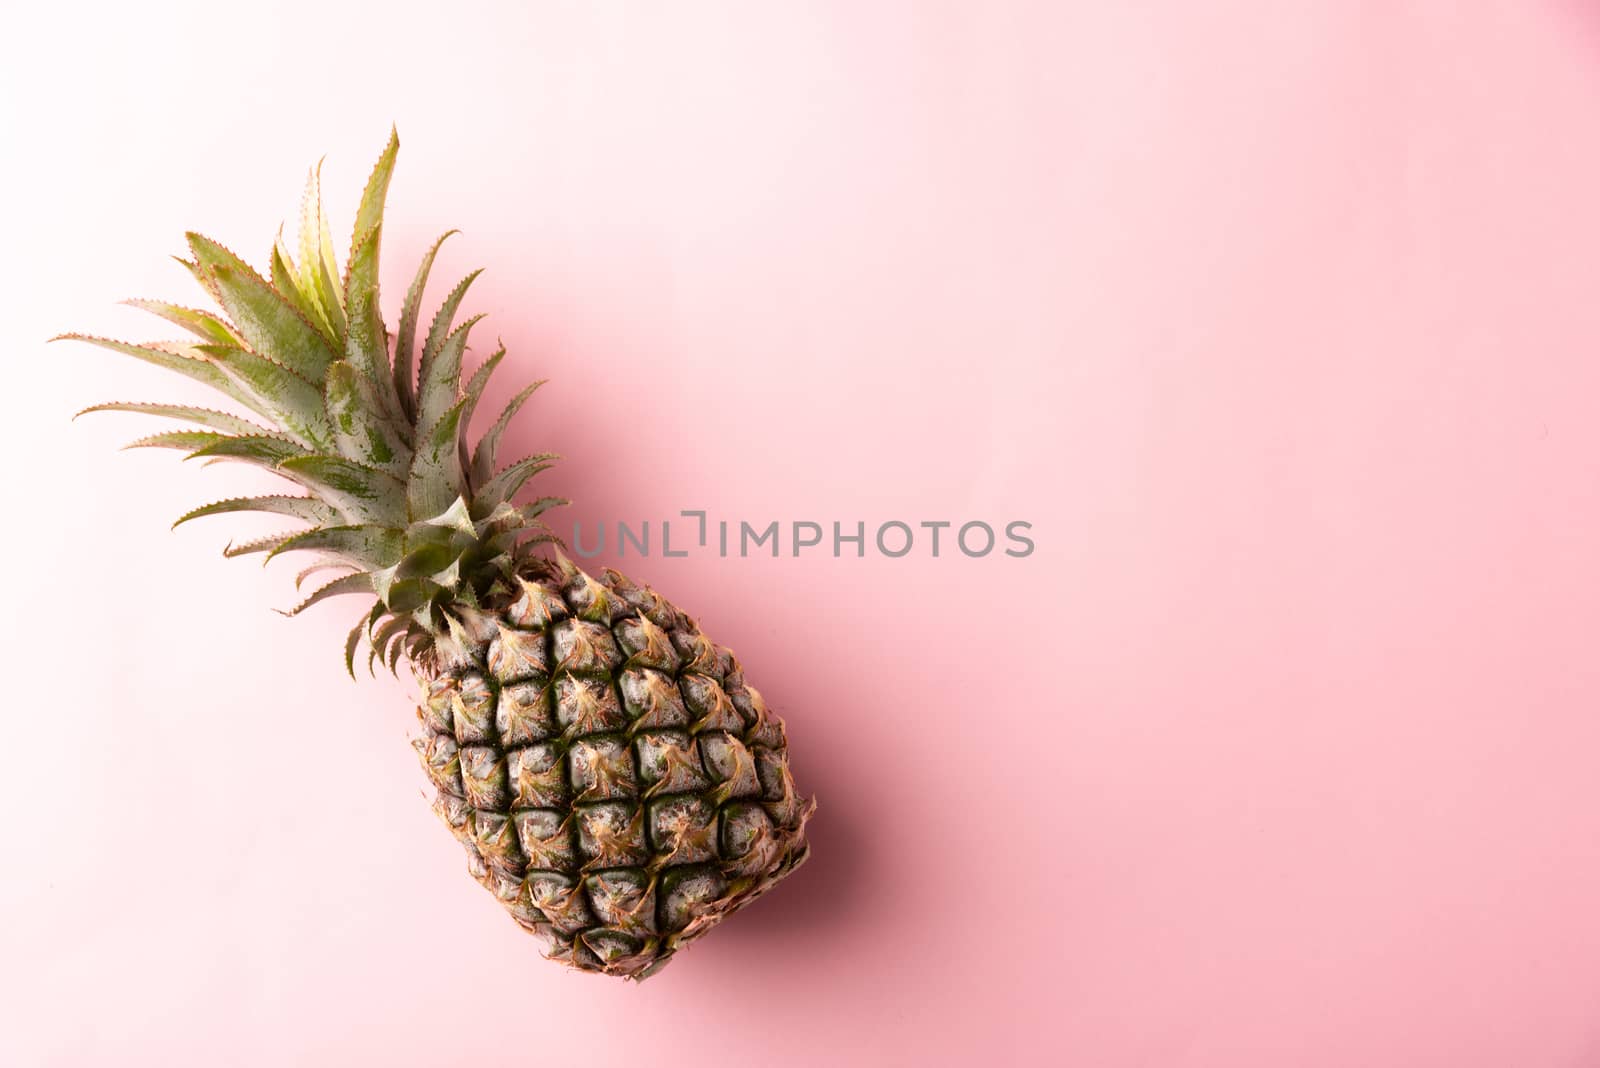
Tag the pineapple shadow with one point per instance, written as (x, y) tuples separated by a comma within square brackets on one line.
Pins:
[(814, 898)]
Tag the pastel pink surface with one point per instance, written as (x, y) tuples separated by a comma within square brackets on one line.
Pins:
[(1277, 321)]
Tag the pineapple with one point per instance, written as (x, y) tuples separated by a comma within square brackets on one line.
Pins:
[(614, 781)]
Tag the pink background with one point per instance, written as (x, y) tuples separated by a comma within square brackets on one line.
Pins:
[(1278, 320)]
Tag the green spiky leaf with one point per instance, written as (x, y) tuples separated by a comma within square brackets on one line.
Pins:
[(327, 281), (360, 582), (307, 508), (266, 319), (318, 267), (361, 494), (413, 595), (483, 457), (519, 544), (208, 256), (359, 427), (370, 214), (525, 526), (366, 545), (271, 324), (263, 450), (391, 655), (366, 344), (187, 440), (440, 327), (440, 386), (436, 478), (457, 518), (295, 403), (206, 417), (429, 561), (503, 486), (354, 639), (265, 543), (198, 366), (406, 339), (472, 394), (281, 274), (535, 508), (320, 565), (306, 350), (201, 324), (392, 628), (287, 279)]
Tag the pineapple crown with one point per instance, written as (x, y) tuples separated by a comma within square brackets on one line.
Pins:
[(372, 428)]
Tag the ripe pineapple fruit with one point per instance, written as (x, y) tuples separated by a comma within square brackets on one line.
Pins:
[(615, 783)]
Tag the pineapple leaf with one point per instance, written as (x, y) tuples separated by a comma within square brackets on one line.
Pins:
[(228, 424), (435, 479), (429, 561), (483, 457), (359, 582), (264, 450), (523, 541), (321, 565), (318, 268), (309, 236), (307, 508), (366, 344), (441, 378), (327, 281), (200, 368), (457, 517), (503, 486), (202, 324), (472, 394), (411, 595), (504, 517), (200, 274), (286, 280), (383, 584), (367, 545), (391, 655), (359, 427), (177, 439), (271, 324), (439, 329), (256, 308), (370, 214), (377, 439), (280, 272), (262, 544), (209, 255), (294, 402), (405, 341), (534, 509), (507, 539), (476, 384), (362, 494), (353, 640), (392, 627)]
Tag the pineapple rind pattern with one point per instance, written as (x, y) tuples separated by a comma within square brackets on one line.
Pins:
[(605, 816)]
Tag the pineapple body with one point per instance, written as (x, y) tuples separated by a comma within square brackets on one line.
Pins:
[(614, 781)]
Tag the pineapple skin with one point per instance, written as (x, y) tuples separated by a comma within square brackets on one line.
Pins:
[(614, 781)]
